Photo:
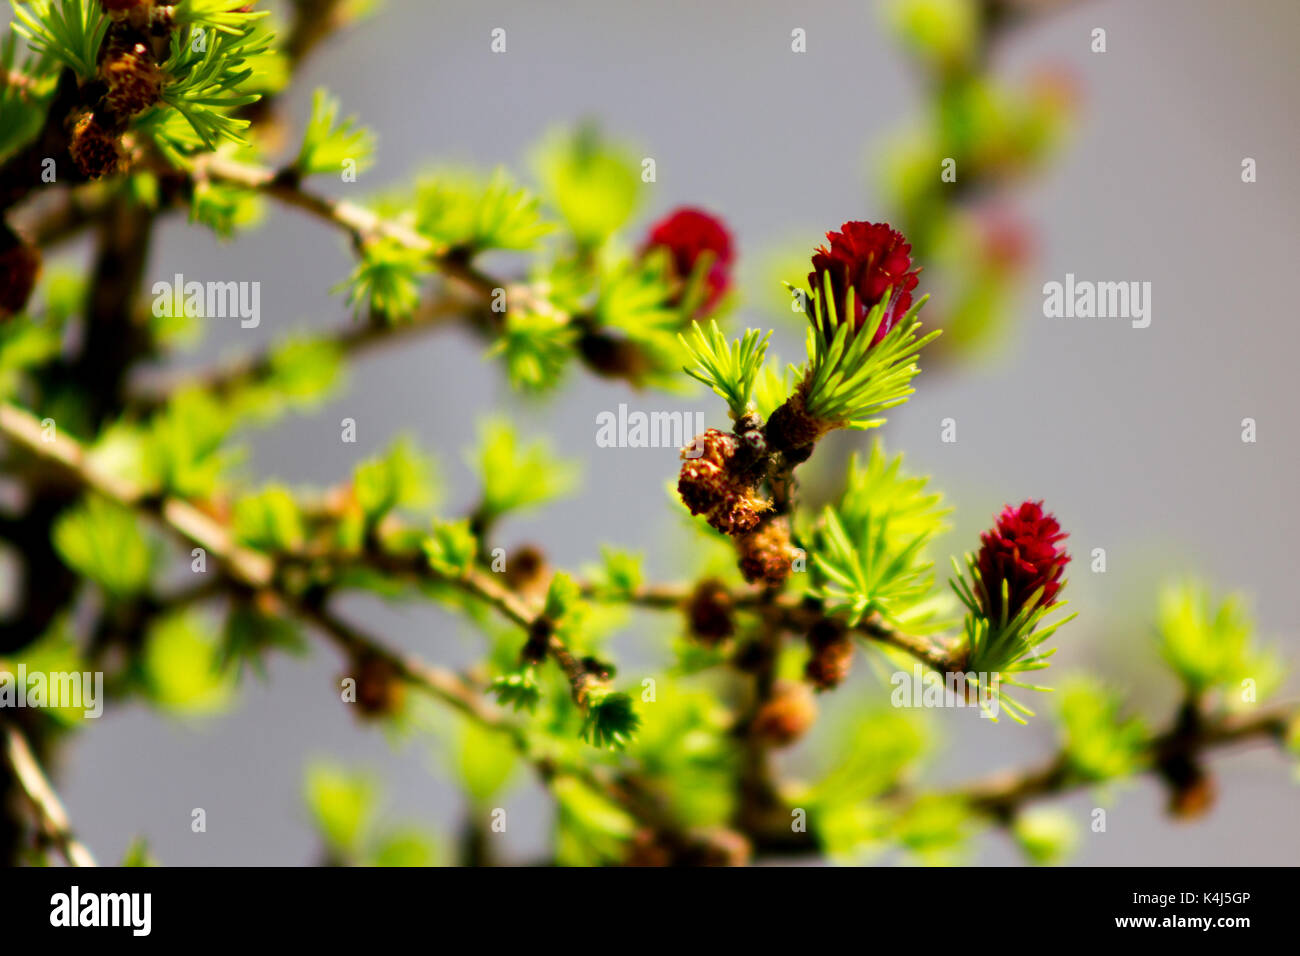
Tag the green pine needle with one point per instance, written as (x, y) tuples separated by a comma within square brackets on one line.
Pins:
[(611, 721), (869, 550), (518, 690), (867, 572), (205, 83), (329, 142), (69, 31), (729, 371), (517, 475), (386, 281), (466, 211), (451, 548), (537, 349), (217, 15)]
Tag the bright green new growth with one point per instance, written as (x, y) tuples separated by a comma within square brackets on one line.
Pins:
[(217, 15), (1211, 646), (328, 143), (69, 31), (537, 349), (386, 281), (730, 372), (463, 210), (451, 548), (107, 544), (270, 520), (1100, 743), (592, 183), (868, 553), (517, 475), (181, 666), (862, 575), (205, 78), (402, 478), (345, 808), (611, 720), (518, 690)]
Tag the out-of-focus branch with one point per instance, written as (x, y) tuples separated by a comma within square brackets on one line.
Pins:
[(52, 818), (485, 587), (62, 214), (1002, 794), (360, 224), (255, 571), (353, 340), (22, 429), (284, 186), (21, 172)]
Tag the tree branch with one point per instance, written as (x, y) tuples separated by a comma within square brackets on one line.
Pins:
[(794, 614), (1002, 794), (354, 339), (256, 571), (52, 818)]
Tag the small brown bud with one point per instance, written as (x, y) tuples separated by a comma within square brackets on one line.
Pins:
[(751, 657), (132, 76), (94, 149), (709, 612), (766, 555), (612, 357), (786, 716), (380, 690), (831, 654), (792, 431), (1194, 800), (527, 571), (600, 670), (1191, 789), (538, 643)]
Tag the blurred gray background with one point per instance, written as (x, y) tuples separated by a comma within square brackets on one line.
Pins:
[(1132, 436)]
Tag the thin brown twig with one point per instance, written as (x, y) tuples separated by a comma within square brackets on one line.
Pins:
[(362, 224), (23, 429), (474, 582), (354, 340), (52, 818), (793, 614)]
